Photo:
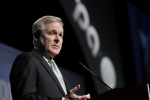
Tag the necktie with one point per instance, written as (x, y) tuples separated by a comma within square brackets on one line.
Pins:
[(58, 74)]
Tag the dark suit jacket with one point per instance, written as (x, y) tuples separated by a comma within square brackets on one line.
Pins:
[(31, 78)]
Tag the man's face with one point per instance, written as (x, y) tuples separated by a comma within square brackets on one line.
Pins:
[(51, 39)]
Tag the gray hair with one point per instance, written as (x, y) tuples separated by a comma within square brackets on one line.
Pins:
[(38, 25)]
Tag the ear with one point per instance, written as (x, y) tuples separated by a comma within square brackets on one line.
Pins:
[(36, 35)]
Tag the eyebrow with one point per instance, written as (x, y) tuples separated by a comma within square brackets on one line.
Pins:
[(55, 31)]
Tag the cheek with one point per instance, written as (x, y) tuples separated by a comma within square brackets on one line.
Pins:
[(61, 43), (48, 43), (45, 42)]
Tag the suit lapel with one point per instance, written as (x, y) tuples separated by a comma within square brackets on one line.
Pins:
[(49, 70)]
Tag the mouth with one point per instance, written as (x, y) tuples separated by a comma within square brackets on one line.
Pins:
[(55, 46)]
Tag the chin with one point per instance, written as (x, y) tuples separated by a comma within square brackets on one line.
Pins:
[(55, 53)]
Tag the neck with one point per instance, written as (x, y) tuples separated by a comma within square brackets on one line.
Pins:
[(44, 53)]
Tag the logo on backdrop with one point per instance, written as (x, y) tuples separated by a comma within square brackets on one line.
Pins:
[(81, 16)]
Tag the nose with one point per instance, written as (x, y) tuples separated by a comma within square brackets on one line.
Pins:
[(57, 38)]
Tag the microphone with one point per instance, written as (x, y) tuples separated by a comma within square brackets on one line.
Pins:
[(95, 76)]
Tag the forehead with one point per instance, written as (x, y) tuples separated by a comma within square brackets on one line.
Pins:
[(53, 26)]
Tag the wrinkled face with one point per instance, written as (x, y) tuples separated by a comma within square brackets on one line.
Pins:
[(51, 39)]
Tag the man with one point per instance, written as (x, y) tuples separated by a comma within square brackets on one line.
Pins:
[(32, 76)]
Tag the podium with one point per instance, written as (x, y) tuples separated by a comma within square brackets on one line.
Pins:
[(139, 92)]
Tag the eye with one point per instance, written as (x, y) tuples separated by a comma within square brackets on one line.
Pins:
[(50, 33), (61, 34)]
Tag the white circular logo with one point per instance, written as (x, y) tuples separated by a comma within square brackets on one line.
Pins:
[(108, 72)]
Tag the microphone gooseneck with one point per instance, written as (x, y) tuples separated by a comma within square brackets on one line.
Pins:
[(108, 87)]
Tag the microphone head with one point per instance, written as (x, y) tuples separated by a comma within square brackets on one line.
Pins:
[(81, 63)]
